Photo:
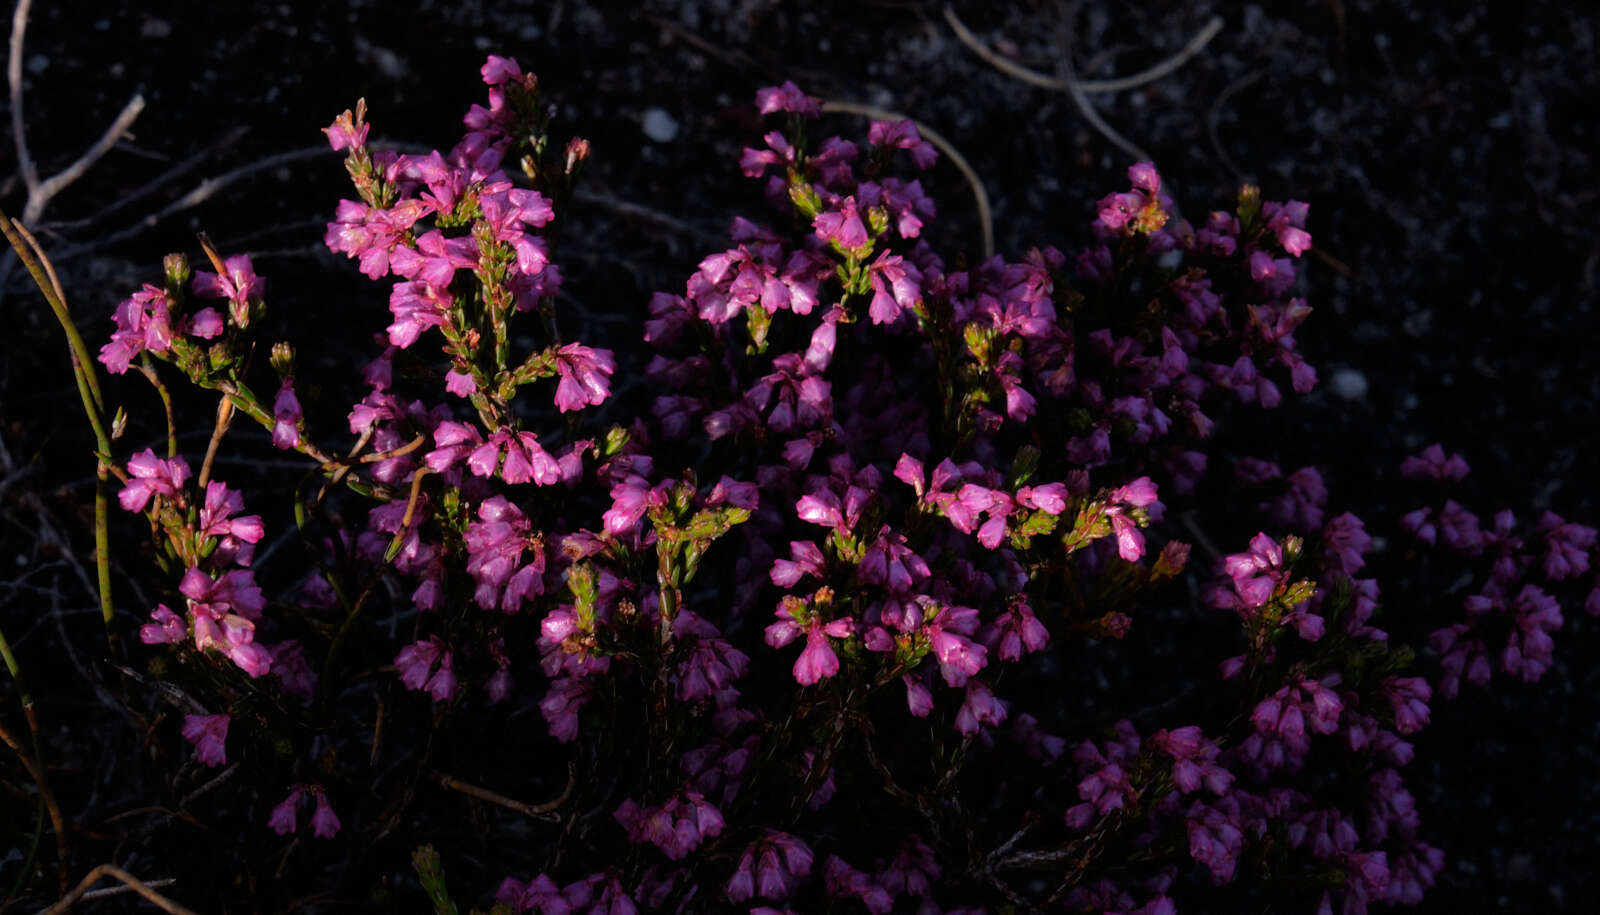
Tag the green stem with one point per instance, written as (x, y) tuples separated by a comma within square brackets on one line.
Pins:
[(16, 672), (25, 254), (93, 406), (102, 555), (149, 372), (35, 767)]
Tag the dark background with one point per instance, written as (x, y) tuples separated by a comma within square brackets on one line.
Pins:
[(1444, 150)]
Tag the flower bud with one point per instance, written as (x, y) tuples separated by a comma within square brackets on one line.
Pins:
[(804, 196), (176, 267), (1249, 205), (577, 154), (580, 578), (759, 321), (283, 358), (877, 220), (616, 439), (119, 423), (218, 356), (978, 339), (1174, 556)]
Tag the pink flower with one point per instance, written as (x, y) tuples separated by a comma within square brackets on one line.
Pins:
[(217, 519), (770, 867), (1432, 463), (842, 225), (416, 306), (903, 135), (981, 708), (958, 655), (1255, 576), (1409, 698), (442, 685), (415, 662), (526, 459), (787, 97), (207, 733), (324, 823), (497, 70), (1287, 221), (891, 563), (1567, 547), (239, 285), (561, 705), (585, 376), (896, 285), (1194, 760), (495, 545), (343, 132), (1345, 539), (845, 882), (919, 699), (1215, 839), (282, 820), (1017, 632), (286, 416), (453, 442), (1050, 498), (822, 507), (630, 499), (817, 660), (806, 559), (152, 476), (1130, 542), (166, 627)]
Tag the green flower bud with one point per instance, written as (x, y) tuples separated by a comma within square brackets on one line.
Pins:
[(283, 358)]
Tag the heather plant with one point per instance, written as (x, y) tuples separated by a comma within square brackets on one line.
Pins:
[(813, 619)]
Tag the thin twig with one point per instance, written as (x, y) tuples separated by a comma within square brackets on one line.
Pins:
[(1091, 86), (1214, 116), (133, 883), (1193, 527), (180, 815), (121, 890), (226, 774), (377, 456), (1081, 99), (19, 27), (545, 811), (40, 192), (40, 196), (160, 181), (979, 195), (173, 695), (224, 420), (202, 192), (736, 59), (46, 796), (628, 208)]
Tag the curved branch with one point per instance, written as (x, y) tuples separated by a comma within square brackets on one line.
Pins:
[(133, 883), (1092, 86)]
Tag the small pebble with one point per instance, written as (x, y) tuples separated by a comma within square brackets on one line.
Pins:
[(1348, 384), (37, 64), (155, 27), (659, 126)]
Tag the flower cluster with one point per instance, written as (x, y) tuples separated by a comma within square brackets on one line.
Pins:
[(806, 623)]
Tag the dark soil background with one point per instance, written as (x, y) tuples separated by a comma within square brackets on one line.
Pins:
[(1445, 150)]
